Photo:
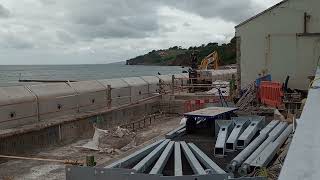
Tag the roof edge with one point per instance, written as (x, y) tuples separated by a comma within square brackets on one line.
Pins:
[(261, 13)]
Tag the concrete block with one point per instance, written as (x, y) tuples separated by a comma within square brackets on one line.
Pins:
[(55, 99), (138, 87), (120, 91), (91, 95), (224, 127), (18, 106), (153, 83)]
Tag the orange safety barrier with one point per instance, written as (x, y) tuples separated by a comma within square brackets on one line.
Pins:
[(199, 103), (187, 106), (271, 93), (192, 105)]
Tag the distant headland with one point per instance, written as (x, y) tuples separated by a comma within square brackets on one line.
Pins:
[(177, 56)]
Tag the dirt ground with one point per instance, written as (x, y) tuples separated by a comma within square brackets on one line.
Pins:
[(26, 169)]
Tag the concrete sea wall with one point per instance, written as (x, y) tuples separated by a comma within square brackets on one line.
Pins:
[(37, 116), (20, 105)]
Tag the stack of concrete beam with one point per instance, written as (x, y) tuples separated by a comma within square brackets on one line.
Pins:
[(156, 156), (267, 150), (256, 153), (271, 137)]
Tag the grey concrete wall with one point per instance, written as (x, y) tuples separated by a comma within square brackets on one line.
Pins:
[(73, 129)]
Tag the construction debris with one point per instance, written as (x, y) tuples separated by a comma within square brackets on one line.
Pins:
[(247, 98), (110, 141), (95, 142), (120, 132)]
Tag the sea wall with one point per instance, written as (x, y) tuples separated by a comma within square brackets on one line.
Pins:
[(38, 116), (21, 105)]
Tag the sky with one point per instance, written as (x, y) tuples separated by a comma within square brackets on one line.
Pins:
[(105, 31)]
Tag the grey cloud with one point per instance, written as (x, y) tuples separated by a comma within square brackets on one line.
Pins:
[(139, 19), (186, 24), (130, 27), (229, 10), (113, 19), (48, 1), (65, 37), (15, 42), (4, 12)]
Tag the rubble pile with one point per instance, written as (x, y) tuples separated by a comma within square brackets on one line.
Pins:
[(111, 141)]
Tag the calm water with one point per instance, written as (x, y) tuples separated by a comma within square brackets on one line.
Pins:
[(9, 74)]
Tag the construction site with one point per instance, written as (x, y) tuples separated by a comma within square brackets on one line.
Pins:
[(253, 120)]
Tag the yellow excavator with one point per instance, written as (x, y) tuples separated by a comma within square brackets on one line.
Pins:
[(198, 74), (210, 62)]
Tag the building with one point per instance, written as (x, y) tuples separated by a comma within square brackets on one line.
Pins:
[(282, 40)]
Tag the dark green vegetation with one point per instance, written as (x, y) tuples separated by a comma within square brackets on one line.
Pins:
[(177, 56)]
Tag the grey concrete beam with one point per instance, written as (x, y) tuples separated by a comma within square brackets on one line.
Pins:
[(270, 151), (239, 125), (177, 160), (270, 127), (244, 169), (135, 157), (194, 163), (248, 134), (163, 159), (151, 157), (225, 127), (205, 160), (242, 156), (276, 132)]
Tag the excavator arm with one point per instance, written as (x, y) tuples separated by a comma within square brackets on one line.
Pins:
[(211, 60)]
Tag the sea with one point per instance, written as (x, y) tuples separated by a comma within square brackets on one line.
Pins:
[(10, 74)]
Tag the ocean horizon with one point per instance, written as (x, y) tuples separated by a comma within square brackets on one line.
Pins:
[(10, 74)]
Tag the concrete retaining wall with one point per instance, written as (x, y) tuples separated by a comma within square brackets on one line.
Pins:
[(44, 135)]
